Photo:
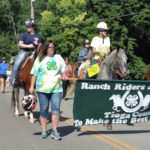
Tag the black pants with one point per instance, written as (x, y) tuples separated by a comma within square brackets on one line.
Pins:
[(65, 86)]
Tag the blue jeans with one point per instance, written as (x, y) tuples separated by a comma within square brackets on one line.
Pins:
[(18, 61), (44, 101)]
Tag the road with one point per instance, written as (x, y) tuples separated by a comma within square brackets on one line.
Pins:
[(16, 133)]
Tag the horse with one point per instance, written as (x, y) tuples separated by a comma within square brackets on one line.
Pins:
[(113, 66), (23, 81), (148, 74)]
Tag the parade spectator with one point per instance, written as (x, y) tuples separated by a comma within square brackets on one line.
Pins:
[(47, 73), (3, 76), (67, 73)]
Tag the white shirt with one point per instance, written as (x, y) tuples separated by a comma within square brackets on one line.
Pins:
[(48, 72), (100, 43)]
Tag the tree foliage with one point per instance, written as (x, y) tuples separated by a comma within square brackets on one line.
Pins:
[(68, 22)]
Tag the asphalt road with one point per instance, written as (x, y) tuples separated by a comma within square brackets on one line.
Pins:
[(16, 133)]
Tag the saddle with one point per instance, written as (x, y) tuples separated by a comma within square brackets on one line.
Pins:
[(28, 56)]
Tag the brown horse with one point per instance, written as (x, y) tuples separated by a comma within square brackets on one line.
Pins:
[(23, 81), (148, 74)]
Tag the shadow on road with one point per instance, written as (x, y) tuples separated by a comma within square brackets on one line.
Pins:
[(114, 132), (64, 130)]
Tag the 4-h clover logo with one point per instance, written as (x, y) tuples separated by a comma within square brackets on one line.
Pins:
[(130, 102), (51, 65)]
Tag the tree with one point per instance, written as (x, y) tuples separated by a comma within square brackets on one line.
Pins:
[(8, 47), (69, 22), (127, 20), (62, 22)]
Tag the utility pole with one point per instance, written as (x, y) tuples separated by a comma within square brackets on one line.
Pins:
[(32, 9)]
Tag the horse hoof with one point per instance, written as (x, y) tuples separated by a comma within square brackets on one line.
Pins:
[(17, 114)]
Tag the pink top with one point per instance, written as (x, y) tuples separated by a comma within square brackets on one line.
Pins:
[(68, 72)]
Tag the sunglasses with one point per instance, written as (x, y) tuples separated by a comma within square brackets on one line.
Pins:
[(28, 26), (51, 47), (86, 43)]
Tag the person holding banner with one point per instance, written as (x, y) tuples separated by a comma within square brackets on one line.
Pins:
[(47, 73), (100, 44)]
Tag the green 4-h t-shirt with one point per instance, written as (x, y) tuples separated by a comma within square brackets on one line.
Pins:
[(48, 72)]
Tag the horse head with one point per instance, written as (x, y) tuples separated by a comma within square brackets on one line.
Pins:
[(114, 65), (121, 67)]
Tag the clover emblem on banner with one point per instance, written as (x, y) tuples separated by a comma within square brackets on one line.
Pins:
[(131, 100)]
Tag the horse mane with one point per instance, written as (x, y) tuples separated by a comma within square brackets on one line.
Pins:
[(30, 57), (110, 58)]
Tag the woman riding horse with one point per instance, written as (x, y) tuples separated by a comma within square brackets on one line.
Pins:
[(28, 43), (100, 43)]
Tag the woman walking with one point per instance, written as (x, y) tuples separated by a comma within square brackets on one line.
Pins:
[(47, 73)]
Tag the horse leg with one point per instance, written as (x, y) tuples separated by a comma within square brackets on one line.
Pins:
[(16, 101), (109, 126), (17, 112)]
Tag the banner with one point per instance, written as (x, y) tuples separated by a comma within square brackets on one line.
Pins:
[(115, 102)]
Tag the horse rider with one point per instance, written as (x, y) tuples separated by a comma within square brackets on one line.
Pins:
[(28, 42), (85, 53), (100, 44), (84, 57)]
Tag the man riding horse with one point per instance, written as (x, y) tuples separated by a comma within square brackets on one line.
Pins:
[(28, 43)]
